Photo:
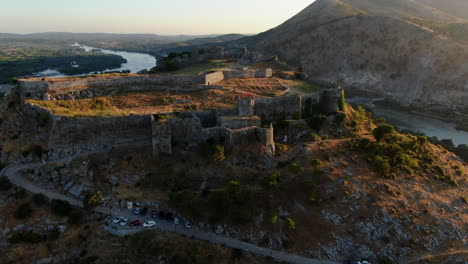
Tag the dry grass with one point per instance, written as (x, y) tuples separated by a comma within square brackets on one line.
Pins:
[(164, 102)]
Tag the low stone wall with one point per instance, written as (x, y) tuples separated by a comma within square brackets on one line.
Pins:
[(247, 74)]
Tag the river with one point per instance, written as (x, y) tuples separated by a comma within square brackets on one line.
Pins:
[(135, 62), (405, 120)]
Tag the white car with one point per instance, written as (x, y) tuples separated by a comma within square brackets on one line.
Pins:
[(117, 219), (123, 221), (149, 224), (176, 220)]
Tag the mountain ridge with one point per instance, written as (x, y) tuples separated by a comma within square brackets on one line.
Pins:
[(336, 41)]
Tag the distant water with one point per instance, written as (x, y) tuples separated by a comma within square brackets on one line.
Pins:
[(135, 62), (405, 120)]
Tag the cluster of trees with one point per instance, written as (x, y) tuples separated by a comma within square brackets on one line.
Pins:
[(38, 59)]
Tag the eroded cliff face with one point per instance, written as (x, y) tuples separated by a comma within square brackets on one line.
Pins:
[(389, 55)]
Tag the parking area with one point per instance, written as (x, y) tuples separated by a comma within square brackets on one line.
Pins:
[(145, 217)]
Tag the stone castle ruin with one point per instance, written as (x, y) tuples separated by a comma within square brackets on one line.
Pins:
[(88, 87), (250, 122)]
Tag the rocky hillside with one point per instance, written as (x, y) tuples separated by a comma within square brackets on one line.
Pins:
[(407, 49)]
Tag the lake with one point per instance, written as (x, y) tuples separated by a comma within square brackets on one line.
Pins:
[(135, 62), (405, 120)]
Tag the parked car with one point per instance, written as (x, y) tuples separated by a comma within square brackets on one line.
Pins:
[(176, 220), (154, 214), (188, 224), (144, 211), (149, 224), (124, 221), (117, 219), (137, 210), (136, 223)]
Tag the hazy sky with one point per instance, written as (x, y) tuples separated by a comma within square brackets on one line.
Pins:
[(146, 16)]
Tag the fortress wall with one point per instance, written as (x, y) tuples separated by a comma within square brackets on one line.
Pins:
[(161, 137), (87, 83), (100, 133), (278, 108), (214, 77), (250, 135), (261, 73), (186, 131), (237, 122)]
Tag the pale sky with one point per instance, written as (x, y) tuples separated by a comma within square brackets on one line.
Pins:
[(167, 17)]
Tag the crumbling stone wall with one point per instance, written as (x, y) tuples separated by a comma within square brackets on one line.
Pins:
[(98, 86), (161, 137), (249, 73), (237, 122), (226, 126), (99, 133), (281, 108), (278, 108)]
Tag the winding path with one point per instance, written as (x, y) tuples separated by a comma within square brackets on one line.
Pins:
[(12, 171)]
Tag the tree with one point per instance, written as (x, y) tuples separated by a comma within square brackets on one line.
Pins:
[(342, 102), (61, 208), (383, 131), (93, 199), (218, 154), (24, 211)]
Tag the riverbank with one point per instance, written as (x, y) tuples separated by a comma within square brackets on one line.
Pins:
[(447, 115)]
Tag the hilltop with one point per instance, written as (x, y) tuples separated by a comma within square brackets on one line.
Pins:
[(405, 49)]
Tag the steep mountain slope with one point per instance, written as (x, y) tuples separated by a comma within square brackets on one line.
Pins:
[(374, 45), (455, 7)]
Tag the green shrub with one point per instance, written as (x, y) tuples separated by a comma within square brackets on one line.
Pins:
[(39, 199), (211, 151), (218, 154), (360, 115), (53, 234), (385, 260), (5, 184), (23, 211), (340, 118), (291, 224), (316, 121), (274, 219), (318, 173), (315, 137), (381, 165), (295, 168), (25, 237), (20, 194), (271, 180), (459, 170), (297, 116), (42, 119), (315, 162), (237, 254), (76, 217), (60, 208), (383, 131)]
